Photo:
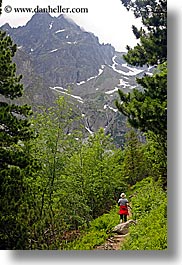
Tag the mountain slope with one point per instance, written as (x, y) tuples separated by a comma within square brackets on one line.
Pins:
[(62, 51), (57, 57)]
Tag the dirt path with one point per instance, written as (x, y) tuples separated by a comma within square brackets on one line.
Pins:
[(112, 243)]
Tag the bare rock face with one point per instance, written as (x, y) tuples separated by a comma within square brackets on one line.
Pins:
[(63, 53), (123, 228), (55, 55)]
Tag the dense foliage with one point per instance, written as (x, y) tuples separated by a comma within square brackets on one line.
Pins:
[(99, 230), (15, 160), (133, 166), (149, 204), (152, 49), (149, 208), (146, 108), (79, 179)]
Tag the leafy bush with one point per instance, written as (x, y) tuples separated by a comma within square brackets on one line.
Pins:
[(97, 233), (150, 209)]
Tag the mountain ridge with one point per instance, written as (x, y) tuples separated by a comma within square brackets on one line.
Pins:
[(80, 52), (57, 57)]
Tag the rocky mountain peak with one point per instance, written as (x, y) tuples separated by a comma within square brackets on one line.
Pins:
[(63, 52), (55, 56)]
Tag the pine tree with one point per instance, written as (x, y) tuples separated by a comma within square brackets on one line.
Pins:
[(152, 49), (14, 159), (133, 166), (146, 109)]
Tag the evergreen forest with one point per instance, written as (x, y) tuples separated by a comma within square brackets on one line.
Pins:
[(59, 190)]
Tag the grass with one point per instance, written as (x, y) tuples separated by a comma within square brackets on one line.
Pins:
[(99, 230)]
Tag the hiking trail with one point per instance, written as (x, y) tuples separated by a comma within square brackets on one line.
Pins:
[(112, 243), (122, 231)]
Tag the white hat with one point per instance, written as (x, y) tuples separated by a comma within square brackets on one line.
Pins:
[(123, 195)]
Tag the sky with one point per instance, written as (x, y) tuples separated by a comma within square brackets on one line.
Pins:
[(107, 19)]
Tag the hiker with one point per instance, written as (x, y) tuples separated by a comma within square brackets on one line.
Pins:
[(123, 211)]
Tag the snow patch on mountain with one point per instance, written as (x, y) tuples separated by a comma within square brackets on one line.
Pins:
[(87, 128), (123, 83), (132, 87), (62, 90), (60, 30), (100, 72), (81, 83), (73, 42), (111, 108), (50, 25), (92, 77), (54, 50), (106, 106), (132, 70), (112, 91), (59, 88)]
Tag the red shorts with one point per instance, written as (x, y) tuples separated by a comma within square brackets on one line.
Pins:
[(123, 210)]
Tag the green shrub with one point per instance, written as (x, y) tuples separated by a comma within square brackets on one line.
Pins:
[(97, 233), (150, 207)]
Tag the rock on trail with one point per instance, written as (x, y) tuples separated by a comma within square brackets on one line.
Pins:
[(114, 242)]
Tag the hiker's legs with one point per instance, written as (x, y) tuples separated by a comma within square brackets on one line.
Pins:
[(121, 218), (125, 217)]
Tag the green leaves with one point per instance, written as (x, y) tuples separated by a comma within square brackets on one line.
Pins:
[(79, 178), (97, 233), (155, 157), (149, 204), (133, 168), (96, 171)]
